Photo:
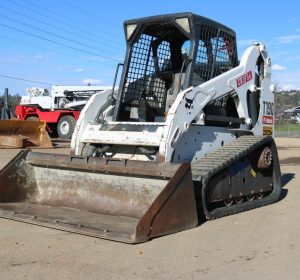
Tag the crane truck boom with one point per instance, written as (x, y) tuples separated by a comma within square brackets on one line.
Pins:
[(188, 134)]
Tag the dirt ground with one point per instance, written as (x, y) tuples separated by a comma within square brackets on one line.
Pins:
[(258, 244)]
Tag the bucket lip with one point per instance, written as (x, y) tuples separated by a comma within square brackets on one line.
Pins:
[(104, 165), (78, 229)]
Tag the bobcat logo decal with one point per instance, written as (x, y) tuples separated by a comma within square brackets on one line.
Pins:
[(189, 103)]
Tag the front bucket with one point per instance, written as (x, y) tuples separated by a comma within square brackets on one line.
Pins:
[(22, 134), (122, 200)]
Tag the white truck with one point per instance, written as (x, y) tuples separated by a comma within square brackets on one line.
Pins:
[(60, 107)]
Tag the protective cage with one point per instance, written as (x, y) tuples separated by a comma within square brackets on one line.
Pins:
[(164, 56)]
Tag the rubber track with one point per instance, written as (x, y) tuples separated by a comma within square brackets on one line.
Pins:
[(205, 168)]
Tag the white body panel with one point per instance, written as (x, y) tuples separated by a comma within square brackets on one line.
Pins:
[(46, 102), (145, 134), (183, 123)]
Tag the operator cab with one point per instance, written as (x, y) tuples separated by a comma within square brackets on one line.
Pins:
[(167, 54)]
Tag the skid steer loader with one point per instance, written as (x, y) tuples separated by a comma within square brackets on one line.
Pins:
[(188, 135)]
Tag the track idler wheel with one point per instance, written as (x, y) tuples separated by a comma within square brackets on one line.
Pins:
[(250, 197), (239, 200), (259, 195), (228, 202), (265, 158)]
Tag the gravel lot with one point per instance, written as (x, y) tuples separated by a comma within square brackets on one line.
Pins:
[(258, 244)]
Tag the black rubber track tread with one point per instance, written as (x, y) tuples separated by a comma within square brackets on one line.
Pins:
[(204, 168)]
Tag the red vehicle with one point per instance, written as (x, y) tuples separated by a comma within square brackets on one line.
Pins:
[(60, 122), (60, 108)]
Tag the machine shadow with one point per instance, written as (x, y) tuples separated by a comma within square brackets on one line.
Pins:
[(285, 179)]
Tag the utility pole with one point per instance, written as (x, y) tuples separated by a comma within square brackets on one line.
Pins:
[(5, 112)]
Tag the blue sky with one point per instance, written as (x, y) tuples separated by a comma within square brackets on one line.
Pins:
[(68, 42)]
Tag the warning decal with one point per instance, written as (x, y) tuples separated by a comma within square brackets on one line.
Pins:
[(267, 130), (267, 119)]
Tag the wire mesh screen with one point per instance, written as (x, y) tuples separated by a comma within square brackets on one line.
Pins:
[(204, 59), (141, 80), (225, 53), (203, 63), (215, 54), (164, 54)]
